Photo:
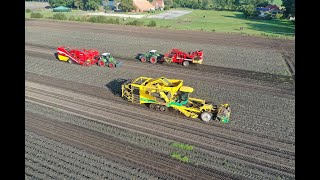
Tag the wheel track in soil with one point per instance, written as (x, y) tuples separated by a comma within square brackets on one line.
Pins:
[(103, 94), (153, 162), (195, 131), (235, 77)]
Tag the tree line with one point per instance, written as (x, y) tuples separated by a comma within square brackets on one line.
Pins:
[(246, 6)]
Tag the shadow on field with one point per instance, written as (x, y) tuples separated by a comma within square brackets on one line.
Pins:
[(115, 86), (56, 55), (274, 26)]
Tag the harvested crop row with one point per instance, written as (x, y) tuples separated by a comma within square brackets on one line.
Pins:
[(198, 156)]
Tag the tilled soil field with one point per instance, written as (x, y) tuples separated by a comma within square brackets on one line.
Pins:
[(240, 52), (77, 126)]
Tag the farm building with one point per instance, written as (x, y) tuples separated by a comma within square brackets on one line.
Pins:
[(158, 4), (273, 9), (142, 5)]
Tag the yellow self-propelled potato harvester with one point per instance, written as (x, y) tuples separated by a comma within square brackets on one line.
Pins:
[(163, 93)]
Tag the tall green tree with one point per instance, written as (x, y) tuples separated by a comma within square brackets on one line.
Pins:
[(78, 4), (91, 4), (56, 3), (126, 5), (168, 2), (204, 4), (289, 6)]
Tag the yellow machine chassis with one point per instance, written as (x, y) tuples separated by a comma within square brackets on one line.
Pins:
[(62, 58), (165, 89)]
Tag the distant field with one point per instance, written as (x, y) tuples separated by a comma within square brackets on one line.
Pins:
[(226, 21), (213, 21)]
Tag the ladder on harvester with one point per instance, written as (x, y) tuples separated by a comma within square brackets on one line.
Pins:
[(136, 95)]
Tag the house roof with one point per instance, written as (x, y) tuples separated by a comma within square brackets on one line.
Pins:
[(143, 5), (159, 3), (61, 9)]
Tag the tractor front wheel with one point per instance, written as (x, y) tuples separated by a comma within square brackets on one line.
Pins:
[(111, 65), (206, 116), (143, 59), (101, 63), (153, 60), (185, 63)]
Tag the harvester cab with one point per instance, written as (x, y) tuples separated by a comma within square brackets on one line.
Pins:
[(106, 59)]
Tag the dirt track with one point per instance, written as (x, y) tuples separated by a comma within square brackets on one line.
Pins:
[(78, 109)]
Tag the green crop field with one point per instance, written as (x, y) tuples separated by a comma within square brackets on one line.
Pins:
[(227, 21), (212, 21)]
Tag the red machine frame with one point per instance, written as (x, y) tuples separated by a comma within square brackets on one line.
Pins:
[(178, 56), (83, 57)]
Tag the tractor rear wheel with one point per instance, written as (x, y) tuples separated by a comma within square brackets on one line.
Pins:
[(153, 60), (111, 65), (185, 63), (101, 63), (206, 116), (143, 59)]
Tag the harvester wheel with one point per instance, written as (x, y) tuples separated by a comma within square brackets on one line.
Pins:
[(157, 107), (153, 60), (206, 116), (111, 65), (143, 59), (163, 108), (185, 63), (70, 61), (101, 63), (152, 106)]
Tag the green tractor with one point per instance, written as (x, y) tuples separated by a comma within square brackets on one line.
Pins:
[(107, 60), (151, 56)]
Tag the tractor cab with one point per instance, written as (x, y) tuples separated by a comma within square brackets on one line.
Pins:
[(106, 55), (152, 52)]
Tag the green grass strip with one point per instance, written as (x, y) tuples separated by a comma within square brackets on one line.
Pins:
[(182, 146)]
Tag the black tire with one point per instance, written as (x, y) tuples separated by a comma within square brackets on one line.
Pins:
[(111, 65), (152, 106), (185, 63), (206, 116), (153, 60), (101, 63), (163, 108), (143, 59)]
